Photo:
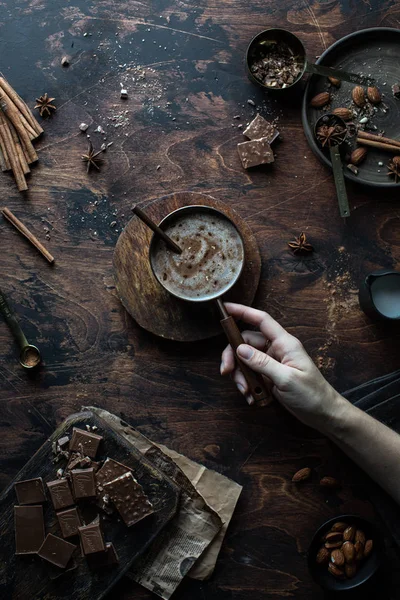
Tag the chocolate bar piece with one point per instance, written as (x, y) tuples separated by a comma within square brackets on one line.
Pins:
[(260, 128), (63, 442), (108, 558), (255, 152), (85, 441), (69, 522), (56, 551), (92, 538), (29, 529), (110, 471), (83, 483), (129, 498), (60, 493), (30, 491)]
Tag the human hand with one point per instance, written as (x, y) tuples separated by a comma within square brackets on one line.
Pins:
[(272, 351)]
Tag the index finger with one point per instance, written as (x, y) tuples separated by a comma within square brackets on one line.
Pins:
[(267, 325)]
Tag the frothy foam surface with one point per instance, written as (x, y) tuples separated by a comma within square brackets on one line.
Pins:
[(212, 256)]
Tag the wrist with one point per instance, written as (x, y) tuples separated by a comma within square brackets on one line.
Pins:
[(340, 418)]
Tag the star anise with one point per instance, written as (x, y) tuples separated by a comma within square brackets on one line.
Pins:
[(330, 135), (300, 244), (44, 104), (91, 158), (394, 168)]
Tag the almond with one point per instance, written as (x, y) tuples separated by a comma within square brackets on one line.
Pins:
[(333, 545), (360, 537), (334, 536), (320, 100), (358, 96), (339, 526), (358, 155), (337, 557), (369, 544), (374, 95), (301, 475), (323, 556), (349, 534), (359, 548), (349, 552), (344, 113), (329, 482), (334, 81), (335, 571), (350, 570)]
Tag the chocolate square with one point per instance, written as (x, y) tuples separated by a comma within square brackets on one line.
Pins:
[(260, 128), (85, 441), (255, 152), (129, 498), (107, 558), (56, 551), (29, 529), (30, 491), (60, 493), (69, 521), (92, 538), (83, 483), (110, 471)]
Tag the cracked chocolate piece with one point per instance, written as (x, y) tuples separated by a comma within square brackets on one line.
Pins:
[(60, 493), (92, 540), (107, 558), (29, 529), (30, 491), (69, 521), (85, 441), (110, 471), (260, 128), (255, 153), (56, 551), (83, 483), (129, 498)]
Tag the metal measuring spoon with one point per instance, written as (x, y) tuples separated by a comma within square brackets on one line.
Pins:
[(29, 356), (330, 132)]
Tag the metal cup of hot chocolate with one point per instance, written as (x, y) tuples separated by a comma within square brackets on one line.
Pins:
[(210, 263)]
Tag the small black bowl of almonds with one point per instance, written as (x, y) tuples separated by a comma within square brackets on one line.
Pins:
[(345, 553)]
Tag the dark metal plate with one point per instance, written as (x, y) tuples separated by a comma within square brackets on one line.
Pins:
[(372, 52)]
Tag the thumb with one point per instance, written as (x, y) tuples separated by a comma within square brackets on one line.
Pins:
[(263, 363)]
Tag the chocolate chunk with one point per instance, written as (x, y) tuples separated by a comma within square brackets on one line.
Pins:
[(92, 538), (260, 128), (69, 522), (255, 152), (60, 493), (129, 498), (107, 558), (30, 491), (63, 442), (56, 551), (55, 572), (85, 441), (29, 529), (110, 471), (83, 483)]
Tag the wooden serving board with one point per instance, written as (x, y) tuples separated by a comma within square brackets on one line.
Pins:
[(151, 305), (28, 577)]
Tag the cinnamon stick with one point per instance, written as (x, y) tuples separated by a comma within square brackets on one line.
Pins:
[(21, 156), (20, 104), (31, 132), (379, 145), (4, 153), (12, 154), (378, 138), (2, 161), (26, 233), (12, 113)]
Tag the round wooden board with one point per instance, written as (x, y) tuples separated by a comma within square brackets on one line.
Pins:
[(148, 303)]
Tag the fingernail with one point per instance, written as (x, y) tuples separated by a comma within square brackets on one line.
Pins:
[(222, 368), (240, 388), (245, 351)]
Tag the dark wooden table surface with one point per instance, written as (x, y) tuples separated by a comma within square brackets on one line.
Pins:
[(183, 67)]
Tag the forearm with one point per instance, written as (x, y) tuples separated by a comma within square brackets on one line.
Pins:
[(372, 445)]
